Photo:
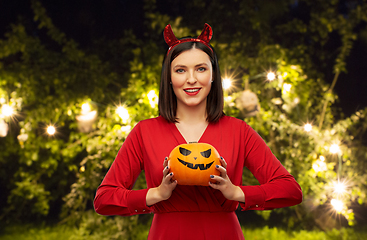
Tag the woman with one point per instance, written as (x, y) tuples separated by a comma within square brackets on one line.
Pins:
[(191, 110)]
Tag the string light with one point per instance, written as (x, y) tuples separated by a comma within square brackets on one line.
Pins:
[(7, 110), (337, 204), (227, 83), (86, 108), (270, 76), (334, 148), (307, 127), (296, 100), (153, 98), (123, 113), (51, 130), (126, 129), (339, 187), (3, 128), (319, 165), (229, 101), (287, 87)]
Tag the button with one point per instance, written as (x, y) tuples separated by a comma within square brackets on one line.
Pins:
[(257, 205), (136, 210), (143, 210)]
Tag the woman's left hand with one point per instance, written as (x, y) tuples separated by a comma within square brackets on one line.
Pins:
[(224, 184)]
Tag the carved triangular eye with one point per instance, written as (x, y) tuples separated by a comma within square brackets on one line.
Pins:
[(206, 153), (184, 151)]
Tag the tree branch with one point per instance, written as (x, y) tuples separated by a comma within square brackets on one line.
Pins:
[(326, 100)]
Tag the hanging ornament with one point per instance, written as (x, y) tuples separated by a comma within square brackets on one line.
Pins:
[(86, 118), (248, 103), (3, 128)]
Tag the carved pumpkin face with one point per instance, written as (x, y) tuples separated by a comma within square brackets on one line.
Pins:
[(193, 163)]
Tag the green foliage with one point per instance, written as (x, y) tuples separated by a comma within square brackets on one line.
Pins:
[(275, 233), (41, 232), (95, 226)]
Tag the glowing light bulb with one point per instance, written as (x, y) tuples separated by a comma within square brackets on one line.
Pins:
[(153, 98), (126, 128), (7, 110), (319, 166), (337, 204), (287, 87), (307, 127), (334, 148), (339, 187), (51, 130), (86, 108), (3, 128), (226, 83), (86, 117), (270, 76), (123, 113)]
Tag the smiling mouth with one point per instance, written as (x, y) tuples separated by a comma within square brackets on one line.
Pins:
[(201, 166), (192, 90)]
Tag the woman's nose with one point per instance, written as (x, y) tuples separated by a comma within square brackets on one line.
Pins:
[(191, 79)]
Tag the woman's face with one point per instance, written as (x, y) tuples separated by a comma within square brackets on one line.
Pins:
[(191, 75)]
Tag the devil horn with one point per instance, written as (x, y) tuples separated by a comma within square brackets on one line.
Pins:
[(206, 34), (169, 37)]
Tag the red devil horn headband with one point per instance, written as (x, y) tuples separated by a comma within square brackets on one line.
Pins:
[(172, 41)]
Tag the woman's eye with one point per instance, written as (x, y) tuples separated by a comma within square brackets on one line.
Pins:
[(180, 70), (201, 69)]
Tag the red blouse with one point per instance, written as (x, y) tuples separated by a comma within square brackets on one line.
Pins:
[(152, 140)]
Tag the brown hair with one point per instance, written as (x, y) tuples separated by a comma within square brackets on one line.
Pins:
[(167, 99)]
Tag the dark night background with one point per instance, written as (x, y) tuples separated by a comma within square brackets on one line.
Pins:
[(85, 20)]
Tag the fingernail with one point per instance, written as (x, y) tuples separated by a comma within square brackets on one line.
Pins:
[(171, 174), (167, 167), (217, 166), (221, 157), (211, 176), (166, 158)]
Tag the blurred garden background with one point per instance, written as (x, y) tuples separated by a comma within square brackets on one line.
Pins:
[(76, 76)]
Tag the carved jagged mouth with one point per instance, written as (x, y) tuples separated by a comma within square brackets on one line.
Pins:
[(201, 166)]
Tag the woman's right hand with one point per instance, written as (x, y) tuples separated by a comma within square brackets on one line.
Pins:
[(164, 190)]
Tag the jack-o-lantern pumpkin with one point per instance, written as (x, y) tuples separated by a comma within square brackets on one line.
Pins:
[(193, 163)]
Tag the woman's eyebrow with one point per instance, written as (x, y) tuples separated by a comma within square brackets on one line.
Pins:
[(201, 64), (184, 66), (179, 66)]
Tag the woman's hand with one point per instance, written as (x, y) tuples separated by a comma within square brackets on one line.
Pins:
[(224, 184), (163, 191)]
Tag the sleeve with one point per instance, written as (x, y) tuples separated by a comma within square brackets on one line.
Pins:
[(277, 188), (114, 196)]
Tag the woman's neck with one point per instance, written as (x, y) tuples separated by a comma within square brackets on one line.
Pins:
[(191, 115), (191, 122)]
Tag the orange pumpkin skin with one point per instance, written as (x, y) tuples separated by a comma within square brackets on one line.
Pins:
[(193, 163)]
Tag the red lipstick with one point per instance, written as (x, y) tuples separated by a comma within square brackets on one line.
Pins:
[(192, 91)]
